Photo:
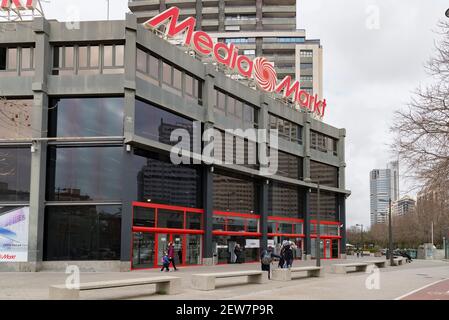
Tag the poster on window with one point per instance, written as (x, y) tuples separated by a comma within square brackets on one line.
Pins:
[(14, 234)]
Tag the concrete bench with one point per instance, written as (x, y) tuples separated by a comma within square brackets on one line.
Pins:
[(206, 281), (399, 261), (379, 263), (343, 267), (164, 285), (286, 274)]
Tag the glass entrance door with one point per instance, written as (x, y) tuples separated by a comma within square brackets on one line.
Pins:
[(162, 246), (177, 240)]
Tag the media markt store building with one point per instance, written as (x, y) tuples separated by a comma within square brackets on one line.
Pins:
[(85, 170)]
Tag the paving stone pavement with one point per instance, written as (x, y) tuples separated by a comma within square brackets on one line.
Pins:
[(389, 283)]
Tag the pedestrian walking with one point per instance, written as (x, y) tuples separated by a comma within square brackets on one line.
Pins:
[(171, 255), (165, 262), (266, 258), (288, 255), (238, 253)]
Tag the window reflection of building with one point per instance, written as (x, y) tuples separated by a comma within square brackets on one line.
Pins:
[(233, 194), (15, 174), (163, 182)]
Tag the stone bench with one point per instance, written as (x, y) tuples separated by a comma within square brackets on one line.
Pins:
[(206, 281), (398, 261), (343, 267), (379, 263), (164, 285), (286, 274)]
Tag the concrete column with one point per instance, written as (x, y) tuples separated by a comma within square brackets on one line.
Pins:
[(342, 207), (341, 157), (305, 194), (129, 195), (263, 212), (259, 25), (39, 119), (209, 100), (199, 14), (306, 144), (221, 15)]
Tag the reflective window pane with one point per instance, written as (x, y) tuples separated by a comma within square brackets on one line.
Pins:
[(86, 117), (3, 52), (94, 56), (158, 180), (283, 201), (82, 57), (143, 250), (69, 56), (234, 194), (141, 61), (170, 219), (236, 224), (107, 56), (82, 233), (327, 174), (144, 217), (194, 221), (167, 73), (177, 79), (12, 58), (15, 119), (119, 55), (26, 58), (15, 173), (84, 173), (157, 124)]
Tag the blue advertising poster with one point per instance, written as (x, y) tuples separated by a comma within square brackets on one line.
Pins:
[(14, 234)]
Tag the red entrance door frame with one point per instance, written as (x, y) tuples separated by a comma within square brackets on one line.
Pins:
[(169, 231)]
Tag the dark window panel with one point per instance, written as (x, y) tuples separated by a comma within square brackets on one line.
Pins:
[(328, 205), (144, 217), (326, 174), (284, 201), (15, 174), (86, 117), (84, 173), (82, 233), (3, 52)]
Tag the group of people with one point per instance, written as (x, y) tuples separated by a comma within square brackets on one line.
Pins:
[(169, 258), (285, 257)]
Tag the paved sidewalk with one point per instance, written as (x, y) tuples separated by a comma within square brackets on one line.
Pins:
[(393, 282)]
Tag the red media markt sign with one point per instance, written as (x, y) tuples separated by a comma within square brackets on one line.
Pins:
[(7, 5), (259, 69)]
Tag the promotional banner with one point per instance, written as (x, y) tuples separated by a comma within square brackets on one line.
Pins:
[(14, 234)]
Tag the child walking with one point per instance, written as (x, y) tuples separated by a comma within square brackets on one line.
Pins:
[(165, 262)]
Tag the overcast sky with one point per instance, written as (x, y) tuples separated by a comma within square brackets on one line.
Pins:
[(374, 53)]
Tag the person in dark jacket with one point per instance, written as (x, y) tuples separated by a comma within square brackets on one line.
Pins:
[(238, 253), (288, 255), (171, 254), (266, 258)]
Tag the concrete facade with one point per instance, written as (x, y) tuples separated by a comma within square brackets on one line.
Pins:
[(43, 35)]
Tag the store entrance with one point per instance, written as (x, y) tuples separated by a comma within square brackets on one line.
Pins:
[(329, 248)]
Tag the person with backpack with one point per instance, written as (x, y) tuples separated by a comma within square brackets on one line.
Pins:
[(165, 262), (266, 258)]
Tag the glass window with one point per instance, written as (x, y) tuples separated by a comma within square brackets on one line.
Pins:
[(326, 174), (94, 56), (221, 101), (82, 53), (289, 166), (82, 233), (219, 223), (143, 250), (154, 67), (170, 219), (119, 55), (167, 73), (193, 249), (177, 79), (57, 57), (141, 61), (27, 58), (234, 194), (194, 221), (12, 59), (84, 173), (285, 228), (283, 201), (189, 85), (108, 56), (328, 205), (160, 181), (86, 117), (3, 52), (69, 57), (157, 124), (236, 224), (15, 119), (15, 174), (143, 217), (252, 225)]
